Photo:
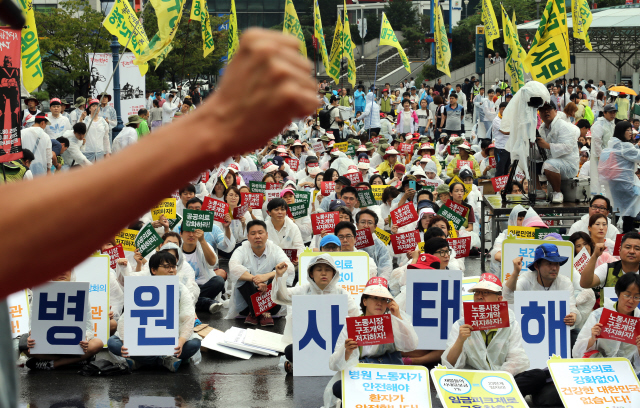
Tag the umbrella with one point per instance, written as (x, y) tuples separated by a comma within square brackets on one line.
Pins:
[(623, 89)]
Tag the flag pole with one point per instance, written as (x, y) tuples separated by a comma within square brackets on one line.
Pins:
[(375, 75)]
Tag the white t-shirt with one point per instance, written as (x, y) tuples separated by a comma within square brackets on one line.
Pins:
[(601, 272), (192, 259), (423, 117)]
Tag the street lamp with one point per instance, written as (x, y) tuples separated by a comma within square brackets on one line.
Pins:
[(466, 12), (538, 9), (115, 56)]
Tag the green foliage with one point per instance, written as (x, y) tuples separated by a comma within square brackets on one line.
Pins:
[(41, 95), (401, 13)]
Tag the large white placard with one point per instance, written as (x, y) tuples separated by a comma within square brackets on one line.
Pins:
[(353, 267), (59, 312), (434, 300), (18, 304), (515, 247), (544, 333), (151, 312), (95, 270), (388, 385), (317, 323)]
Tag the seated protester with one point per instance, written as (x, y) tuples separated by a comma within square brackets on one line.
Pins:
[(544, 275), (304, 223), (375, 207), (464, 154), (346, 233), (116, 292), (407, 195), (163, 264), (377, 158), (237, 226), (339, 161), (202, 259), (440, 223), (495, 349), (399, 275), (474, 197), (443, 194), (487, 170), (216, 190), (457, 192), (607, 274), (589, 345), (255, 214), (323, 278), (330, 243), (388, 196), (598, 205), (252, 267), (375, 300), (378, 252), (73, 156), (386, 168), (282, 230), (341, 182), (428, 151), (364, 167), (307, 182), (598, 224), (585, 298), (431, 171), (90, 346), (186, 193), (343, 215), (515, 220)]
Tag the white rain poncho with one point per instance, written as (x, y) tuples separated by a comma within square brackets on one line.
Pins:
[(504, 353), (405, 339), (496, 266), (563, 155), (601, 134), (341, 163), (283, 295), (371, 115), (520, 120), (36, 140), (618, 164), (606, 348)]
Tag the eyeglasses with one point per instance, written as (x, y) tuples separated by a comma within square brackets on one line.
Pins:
[(444, 252), (344, 237), (363, 222), (599, 208), (626, 296), (167, 266)]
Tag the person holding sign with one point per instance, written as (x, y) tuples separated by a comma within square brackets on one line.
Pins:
[(323, 280), (390, 157), (375, 300), (237, 225), (91, 345), (492, 350), (346, 233), (282, 230), (378, 252), (219, 241), (598, 205), (303, 223), (598, 224), (463, 157), (341, 182), (589, 343)]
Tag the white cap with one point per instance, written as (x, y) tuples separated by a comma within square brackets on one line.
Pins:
[(314, 170), (377, 289), (352, 169), (488, 281)]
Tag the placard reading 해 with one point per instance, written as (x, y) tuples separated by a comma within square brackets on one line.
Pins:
[(486, 315), (151, 310), (353, 267), (386, 385), (317, 323), (58, 317), (370, 330), (515, 247), (476, 388), (589, 382), (18, 304), (262, 301), (95, 270)]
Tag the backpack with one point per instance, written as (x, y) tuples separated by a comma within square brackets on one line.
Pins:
[(326, 120), (588, 115)]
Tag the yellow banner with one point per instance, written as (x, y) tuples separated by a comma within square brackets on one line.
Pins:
[(455, 387), (348, 48), (548, 56), (319, 34), (335, 58), (581, 15), (166, 207), (200, 12), (515, 53), (169, 15), (515, 24), (163, 55), (383, 235), (123, 23), (377, 191), (521, 232), (443, 52), (453, 233), (343, 147), (491, 28), (31, 63), (467, 187), (388, 37), (232, 41), (292, 25), (127, 238)]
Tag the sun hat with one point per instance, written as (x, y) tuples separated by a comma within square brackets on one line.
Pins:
[(375, 288), (548, 252), (488, 281)]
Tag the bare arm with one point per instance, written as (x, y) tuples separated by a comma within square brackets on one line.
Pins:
[(513, 278), (264, 57), (588, 279)]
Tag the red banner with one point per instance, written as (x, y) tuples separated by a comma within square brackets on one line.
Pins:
[(370, 330), (262, 301), (581, 260), (492, 161), (499, 183), (617, 245), (355, 178), (219, 208), (405, 242), (292, 254), (11, 147), (459, 209), (293, 163), (240, 210), (324, 221), (255, 200), (467, 163), (404, 215), (486, 315), (364, 238), (114, 253), (405, 148), (272, 190), (327, 188), (462, 246), (616, 326)]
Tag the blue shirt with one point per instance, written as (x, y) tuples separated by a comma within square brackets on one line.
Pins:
[(359, 98)]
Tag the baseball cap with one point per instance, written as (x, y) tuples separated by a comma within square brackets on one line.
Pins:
[(426, 261), (285, 191), (330, 239), (548, 252), (377, 289), (335, 204), (343, 180), (363, 164), (488, 281), (610, 108), (278, 161), (399, 168)]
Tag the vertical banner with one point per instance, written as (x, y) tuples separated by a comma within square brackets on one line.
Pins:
[(480, 61), (11, 148), (95, 270), (101, 64), (31, 61), (317, 323), (541, 315), (434, 301), (18, 304)]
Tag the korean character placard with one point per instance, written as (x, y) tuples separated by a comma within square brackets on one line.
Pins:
[(18, 304), (602, 382), (499, 182), (353, 268), (486, 315), (385, 385), (370, 330), (59, 310), (95, 270), (364, 238), (515, 247), (262, 301), (581, 261), (272, 191), (324, 221), (404, 215), (459, 209), (151, 310), (405, 242), (462, 246), (476, 388), (619, 327), (255, 200)]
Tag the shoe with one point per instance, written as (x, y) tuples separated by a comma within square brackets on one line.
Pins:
[(474, 252), (557, 198), (266, 320), (132, 364), (288, 367), (215, 307), (171, 363), (37, 364), (251, 319)]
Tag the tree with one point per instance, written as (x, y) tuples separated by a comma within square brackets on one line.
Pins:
[(401, 13), (67, 35)]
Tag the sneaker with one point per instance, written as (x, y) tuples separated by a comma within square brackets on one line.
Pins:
[(37, 364), (215, 307), (251, 319), (132, 364), (266, 319), (557, 198), (171, 363), (288, 367)]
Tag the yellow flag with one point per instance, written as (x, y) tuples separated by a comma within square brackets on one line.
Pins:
[(232, 41), (388, 37), (319, 34), (292, 25), (163, 55), (548, 56), (200, 12), (514, 24), (491, 28), (123, 23), (169, 15), (31, 63), (348, 48), (335, 58), (515, 54), (581, 15), (443, 52)]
